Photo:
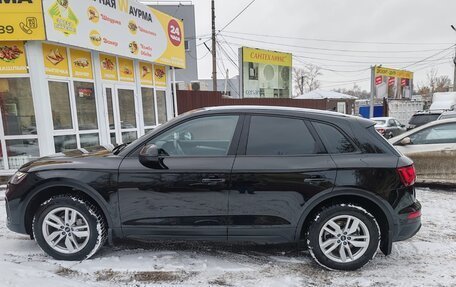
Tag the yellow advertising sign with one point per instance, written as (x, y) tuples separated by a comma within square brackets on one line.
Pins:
[(21, 20), (12, 58), (145, 73), (127, 72), (174, 55), (81, 64), (381, 71), (55, 60), (266, 57), (160, 75), (108, 67)]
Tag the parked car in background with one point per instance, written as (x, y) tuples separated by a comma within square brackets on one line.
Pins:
[(422, 118), (388, 126), (289, 175), (447, 115), (433, 149)]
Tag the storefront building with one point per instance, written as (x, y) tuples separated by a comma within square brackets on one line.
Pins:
[(81, 73)]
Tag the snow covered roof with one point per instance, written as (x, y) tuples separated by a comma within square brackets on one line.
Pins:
[(322, 94)]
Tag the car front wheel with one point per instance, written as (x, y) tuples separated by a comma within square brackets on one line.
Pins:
[(343, 237), (69, 228)]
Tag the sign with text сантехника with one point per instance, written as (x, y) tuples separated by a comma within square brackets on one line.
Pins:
[(21, 20), (120, 27), (265, 74)]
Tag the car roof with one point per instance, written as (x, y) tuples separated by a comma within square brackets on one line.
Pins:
[(281, 110), (433, 123), (382, 118)]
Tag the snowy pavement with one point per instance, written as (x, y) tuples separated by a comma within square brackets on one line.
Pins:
[(428, 259)]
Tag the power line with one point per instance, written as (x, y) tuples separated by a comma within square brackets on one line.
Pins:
[(336, 41), (328, 49), (433, 55), (237, 15)]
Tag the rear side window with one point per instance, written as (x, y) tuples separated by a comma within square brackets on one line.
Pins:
[(279, 136), (333, 139), (422, 119)]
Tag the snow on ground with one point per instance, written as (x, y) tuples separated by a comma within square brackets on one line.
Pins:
[(428, 259)]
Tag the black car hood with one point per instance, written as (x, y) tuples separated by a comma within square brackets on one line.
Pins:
[(98, 157)]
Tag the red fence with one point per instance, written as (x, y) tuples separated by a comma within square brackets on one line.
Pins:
[(190, 100)]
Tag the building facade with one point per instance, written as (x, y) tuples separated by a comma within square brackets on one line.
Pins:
[(93, 74)]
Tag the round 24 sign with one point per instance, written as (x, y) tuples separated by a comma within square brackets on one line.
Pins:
[(174, 32)]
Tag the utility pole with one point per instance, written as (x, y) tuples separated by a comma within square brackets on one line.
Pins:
[(372, 96), (214, 50), (454, 75)]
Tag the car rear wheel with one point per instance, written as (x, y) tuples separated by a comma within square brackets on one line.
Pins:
[(343, 237), (69, 228)]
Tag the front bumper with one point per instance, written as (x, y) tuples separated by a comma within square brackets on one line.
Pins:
[(13, 215)]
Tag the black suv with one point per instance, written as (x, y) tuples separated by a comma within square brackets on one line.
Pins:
[(244, 173)]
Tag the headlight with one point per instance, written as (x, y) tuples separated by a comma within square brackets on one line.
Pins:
[(17, 177)]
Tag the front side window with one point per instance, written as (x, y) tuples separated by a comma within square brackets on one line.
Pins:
[(207, 136), (279, 136), (333, 139), (435, 135)]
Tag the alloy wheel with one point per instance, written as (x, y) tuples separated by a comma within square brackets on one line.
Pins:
[(344, 238), (66, 230)]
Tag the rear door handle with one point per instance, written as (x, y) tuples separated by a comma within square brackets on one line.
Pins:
[(213, 180)]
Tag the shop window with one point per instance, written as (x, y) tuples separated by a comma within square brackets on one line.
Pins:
[(110, 109), (148, 106), (84, 93), (161, 105), (60, 104), (129, 137), (2, 166), (127, 108), (89, 140), (64, 143), (113, 138), (21, 151), (17, 109)]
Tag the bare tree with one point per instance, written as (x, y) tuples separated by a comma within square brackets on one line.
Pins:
[(306, 79), (434, 83)]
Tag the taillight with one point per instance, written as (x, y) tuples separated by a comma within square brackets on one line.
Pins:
[(381, 131), (414, 215), (407, 174)]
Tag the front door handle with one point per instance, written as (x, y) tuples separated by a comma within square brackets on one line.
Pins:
[(314, 179), (213, 180)]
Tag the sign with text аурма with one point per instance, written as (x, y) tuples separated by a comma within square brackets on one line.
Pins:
[(121, 27), (21, 20)]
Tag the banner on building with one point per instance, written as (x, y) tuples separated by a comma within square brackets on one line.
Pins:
[(12, 58), (122, 27), (21, 20)]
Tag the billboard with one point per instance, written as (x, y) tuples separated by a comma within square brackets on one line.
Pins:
[(393, 83), (264, 73), (121, 27)]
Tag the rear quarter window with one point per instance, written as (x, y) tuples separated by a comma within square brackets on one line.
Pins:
[(333, 139)]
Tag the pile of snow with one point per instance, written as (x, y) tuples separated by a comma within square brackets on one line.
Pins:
[(428, 259)]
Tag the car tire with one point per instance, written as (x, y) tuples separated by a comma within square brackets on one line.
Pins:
[(343, 237), (68, 227)]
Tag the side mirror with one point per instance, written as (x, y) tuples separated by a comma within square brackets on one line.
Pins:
[(402, 126), (150, 157), (406, 141)]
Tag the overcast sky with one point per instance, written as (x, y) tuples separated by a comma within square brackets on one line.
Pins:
[(423, 25)]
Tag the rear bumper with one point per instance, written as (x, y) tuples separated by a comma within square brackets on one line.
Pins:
[(409, 222)]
